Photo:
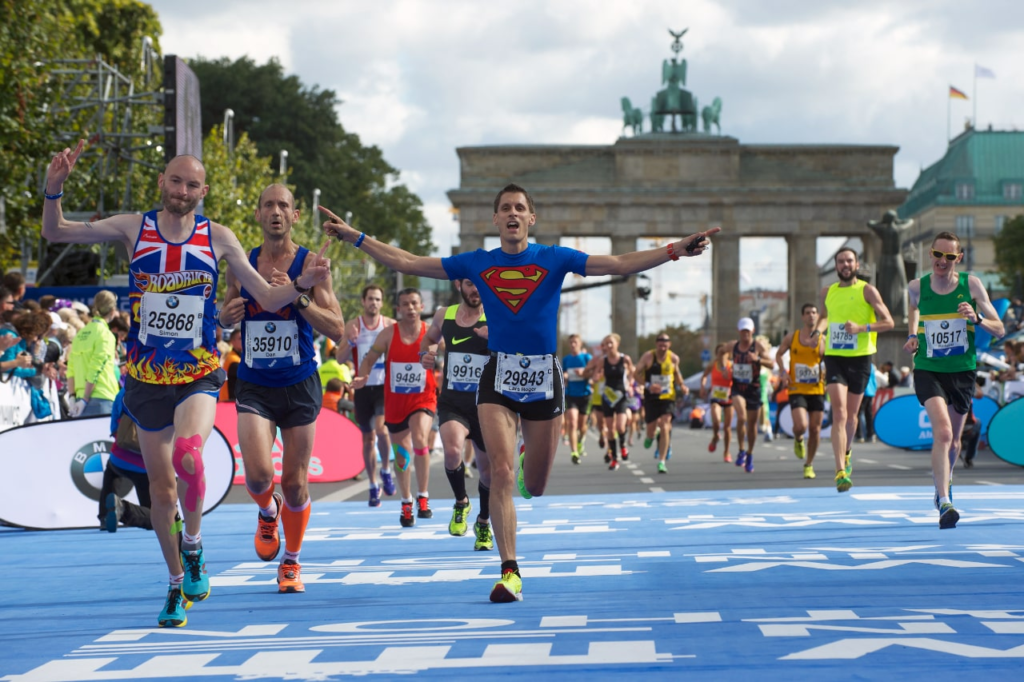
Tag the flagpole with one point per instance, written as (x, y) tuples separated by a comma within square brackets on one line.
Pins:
[(948, 109), (974, 116)]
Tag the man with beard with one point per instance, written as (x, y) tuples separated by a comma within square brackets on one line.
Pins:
[(852, 314), (174, 372), (520, 285), (462, 332), (278, 386), (949, 307), (361, 334)]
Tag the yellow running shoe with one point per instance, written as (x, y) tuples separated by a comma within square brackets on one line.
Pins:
[(508, 589), (849, 463), (808, 471), (800, 448), (458, 526), (843, 482)]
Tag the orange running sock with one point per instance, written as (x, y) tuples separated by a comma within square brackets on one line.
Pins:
[(295, 522), (265, 500)]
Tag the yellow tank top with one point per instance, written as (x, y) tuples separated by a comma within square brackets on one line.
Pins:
[(805, 373), (847, 304)]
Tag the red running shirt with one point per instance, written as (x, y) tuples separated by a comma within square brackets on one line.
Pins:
[(403, 360)]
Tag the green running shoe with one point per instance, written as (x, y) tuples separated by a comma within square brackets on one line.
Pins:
[(173, 615), (843, 482), (948, 516), (458, 526), (508, 589), (650, 441), (196, 586), (484, 540), (520, 479), (662, 469), (800, 448), (849, 463)]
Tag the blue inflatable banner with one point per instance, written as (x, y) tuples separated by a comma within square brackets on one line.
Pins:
[(1004, 433), (903, 423)]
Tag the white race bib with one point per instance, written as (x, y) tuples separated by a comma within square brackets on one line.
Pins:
[(525, 378), (807, 374), (945, 338), (173, 321), (464, 370), (719, 392), (663, 382), (408, 377), (742, 373), (574, 374), (271, 344), (839, 338)]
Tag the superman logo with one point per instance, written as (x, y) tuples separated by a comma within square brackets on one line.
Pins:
[(514, 285)]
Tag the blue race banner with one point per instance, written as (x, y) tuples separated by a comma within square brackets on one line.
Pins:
[(982, 339), (903, 423), (1004, 433)]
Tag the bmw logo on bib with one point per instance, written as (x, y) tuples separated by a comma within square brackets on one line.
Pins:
[(270, 327), (408, 367), (944, 324), (524, 363), (467, 358), (172, 302)]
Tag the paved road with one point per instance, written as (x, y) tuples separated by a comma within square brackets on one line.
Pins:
[(692, 467)]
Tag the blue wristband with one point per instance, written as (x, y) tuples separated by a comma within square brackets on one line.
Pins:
[(359, 242), (867, 327), (53, 197)]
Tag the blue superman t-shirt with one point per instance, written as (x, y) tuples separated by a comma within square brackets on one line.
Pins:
[(520, 293)]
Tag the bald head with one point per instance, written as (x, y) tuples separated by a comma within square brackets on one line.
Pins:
[(183, 184), (276, 211), (278, 190)]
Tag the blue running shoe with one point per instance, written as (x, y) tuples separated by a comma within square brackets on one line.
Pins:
[(741, 458), (173, 614), (748, 466), (196, 586), (388, 482), (374, 496)]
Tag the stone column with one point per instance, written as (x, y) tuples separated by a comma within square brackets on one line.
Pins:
[(725, 298), (803, 275), (470, 242), (624, 302)]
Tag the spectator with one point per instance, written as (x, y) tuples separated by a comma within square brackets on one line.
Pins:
[(125, 462), (906, 378), (14, 282), (47, 302), (866, 418), (93, 375)]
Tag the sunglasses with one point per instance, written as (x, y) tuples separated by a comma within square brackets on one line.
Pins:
[(662, 340), (942, 254)]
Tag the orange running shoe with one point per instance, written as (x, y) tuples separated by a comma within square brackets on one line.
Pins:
[(268, 540), (289, 577)]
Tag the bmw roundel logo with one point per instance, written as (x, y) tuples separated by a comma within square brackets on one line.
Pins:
[(172, 302), (945, 324), (270, 327), (467, 358), (408, 367), (524, 362), (87, 466)]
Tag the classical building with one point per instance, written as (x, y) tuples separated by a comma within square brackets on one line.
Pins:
[(670, 185), (971, 191)]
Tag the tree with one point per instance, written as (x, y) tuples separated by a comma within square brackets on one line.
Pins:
[(1009, 248), (279, 112), (33, 35)]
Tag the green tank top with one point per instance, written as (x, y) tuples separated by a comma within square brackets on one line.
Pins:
[(945, 340), (847, 304)]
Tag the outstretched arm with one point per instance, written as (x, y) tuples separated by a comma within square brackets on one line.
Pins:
[(639, 261), (392, 257)]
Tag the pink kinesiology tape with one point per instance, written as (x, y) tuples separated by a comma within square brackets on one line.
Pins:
[(421, 452), (196, 481)]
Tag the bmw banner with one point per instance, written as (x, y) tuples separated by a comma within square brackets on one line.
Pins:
[(903, 423)]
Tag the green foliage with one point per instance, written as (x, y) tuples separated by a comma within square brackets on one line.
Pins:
[(34, 98), (686, 343), (1009, 250), (279, 112)]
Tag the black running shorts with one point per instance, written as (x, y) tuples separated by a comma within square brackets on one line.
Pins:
[(956, 388), (811, 403), (151, 406), (286, 406), (852, 372), (369, 402)]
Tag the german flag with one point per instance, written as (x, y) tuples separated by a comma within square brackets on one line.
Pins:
[(956, 94)]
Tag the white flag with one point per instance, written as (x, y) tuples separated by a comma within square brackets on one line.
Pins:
[(982, 72)]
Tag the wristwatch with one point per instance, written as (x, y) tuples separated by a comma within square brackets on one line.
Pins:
[(295, 283), (302, 302)]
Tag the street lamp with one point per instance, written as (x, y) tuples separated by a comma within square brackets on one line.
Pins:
[(282, 165), (229, 130), (316, 205)]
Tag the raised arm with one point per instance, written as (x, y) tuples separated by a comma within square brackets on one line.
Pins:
[(639, 261), (392, 257)]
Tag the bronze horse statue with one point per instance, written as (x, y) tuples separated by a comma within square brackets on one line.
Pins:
[(631, 117), (710, 115)]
